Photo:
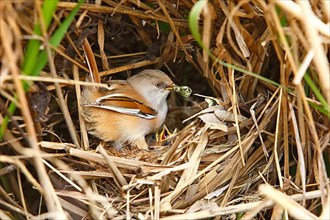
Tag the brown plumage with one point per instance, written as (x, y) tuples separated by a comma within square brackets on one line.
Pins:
[(126, 111)]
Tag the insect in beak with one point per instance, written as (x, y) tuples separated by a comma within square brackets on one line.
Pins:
[(184, 91)]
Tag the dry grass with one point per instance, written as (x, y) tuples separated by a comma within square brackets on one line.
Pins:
[(249, 149)]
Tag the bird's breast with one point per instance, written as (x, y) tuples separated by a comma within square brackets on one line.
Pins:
[(161, 116)]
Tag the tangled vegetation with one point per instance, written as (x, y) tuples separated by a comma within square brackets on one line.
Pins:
[(251, 142)]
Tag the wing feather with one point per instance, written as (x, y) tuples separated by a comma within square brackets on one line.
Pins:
[(122, 104)]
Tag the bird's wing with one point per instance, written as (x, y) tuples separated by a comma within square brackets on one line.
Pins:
[(120, 103)]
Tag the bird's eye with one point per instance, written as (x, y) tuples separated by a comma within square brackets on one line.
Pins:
[(160, 85)]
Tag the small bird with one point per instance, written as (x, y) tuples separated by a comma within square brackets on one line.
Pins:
[(125, 111)]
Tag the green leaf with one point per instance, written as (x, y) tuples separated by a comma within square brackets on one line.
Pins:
[(35, 60), (283, 19), (325, 105), (55, 40), (32, 51), (164, 27), (194, 16)]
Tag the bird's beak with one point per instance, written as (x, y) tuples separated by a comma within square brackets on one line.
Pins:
[(171, 87)]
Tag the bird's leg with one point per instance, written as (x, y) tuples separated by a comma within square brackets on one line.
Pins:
[(141, 144)]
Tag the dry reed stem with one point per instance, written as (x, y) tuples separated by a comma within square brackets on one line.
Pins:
[(62, 103), (83, 129), (297, 11), (320, 57), (213, 165), (58, 80), (100, 40), (14, 209), (119, 179), (212, 212), (129, 67), (105, 9), (285, 202), (50, 197), (91, 62)]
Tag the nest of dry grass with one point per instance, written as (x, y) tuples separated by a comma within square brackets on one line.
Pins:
[(253, 146)]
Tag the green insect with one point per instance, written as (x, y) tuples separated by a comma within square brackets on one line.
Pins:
[(184, 91)]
